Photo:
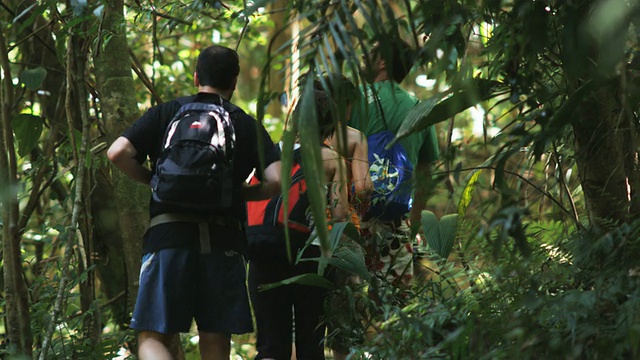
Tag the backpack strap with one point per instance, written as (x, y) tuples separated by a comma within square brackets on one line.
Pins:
[(203, 222), (376, 98)]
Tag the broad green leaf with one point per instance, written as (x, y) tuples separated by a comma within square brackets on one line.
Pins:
[(27, 129), (33, 78), (467, 193), (430, 227), (306, 118), (288, 140), (340, 229), (448, 226), (351, 259), (469, 94), (346, 254), (304, 279), (439, 234), (415, 115)]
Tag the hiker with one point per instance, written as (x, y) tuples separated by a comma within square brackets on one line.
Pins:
[(398, 173), (201, 149), (351, 144), (276, 310)]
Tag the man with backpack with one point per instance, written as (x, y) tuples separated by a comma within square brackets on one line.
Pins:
[(394, 171), (201, 149)]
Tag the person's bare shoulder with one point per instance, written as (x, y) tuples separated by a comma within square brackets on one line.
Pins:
[(355, 138), (329, 154), (330, 162)]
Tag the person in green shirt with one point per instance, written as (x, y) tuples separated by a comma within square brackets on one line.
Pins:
[(384, 106)]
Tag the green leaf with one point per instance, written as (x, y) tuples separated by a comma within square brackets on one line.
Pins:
[(33, 78), (340, 229), (471, 179), (430, 227), (416, 114), (288, 140), (347, 254), (426, 113), (448, 227), (27, 129), (306, 118), (440, 234), (350, 258), (304, 279)]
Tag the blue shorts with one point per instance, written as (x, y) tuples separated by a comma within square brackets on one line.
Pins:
[(178, 285)]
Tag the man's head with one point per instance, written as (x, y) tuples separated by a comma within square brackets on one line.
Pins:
[(218, 67), (392, 58), (325, 110), (343, 92)]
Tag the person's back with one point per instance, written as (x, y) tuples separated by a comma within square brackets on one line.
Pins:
[(192, 266), (349, 142), (396, 104), (384, 107), (275, 308)]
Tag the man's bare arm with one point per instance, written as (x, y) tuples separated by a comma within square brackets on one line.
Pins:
[(122, 154), (362, 185), (268, 187)]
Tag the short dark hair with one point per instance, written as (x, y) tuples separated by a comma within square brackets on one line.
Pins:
[(325, 110), (217, 67), (398, 56), (338, 86)]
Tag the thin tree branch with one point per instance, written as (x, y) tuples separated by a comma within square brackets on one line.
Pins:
[(565, 187), (137, 68), (541, 191), (79, 193)]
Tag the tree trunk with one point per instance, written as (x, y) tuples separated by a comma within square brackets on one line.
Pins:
[(18, 319), (107, 245), (119, 110), (601, 134), (279, 35)]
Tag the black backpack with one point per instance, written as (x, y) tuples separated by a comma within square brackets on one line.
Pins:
[(195, 167)]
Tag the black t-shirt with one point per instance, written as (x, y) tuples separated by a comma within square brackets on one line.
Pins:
[(146, 135)]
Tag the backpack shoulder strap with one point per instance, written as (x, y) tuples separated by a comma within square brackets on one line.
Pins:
[(187, 103), (297, 156), (384, 119)]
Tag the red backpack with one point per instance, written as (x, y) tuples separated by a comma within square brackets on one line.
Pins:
[(265, 219)]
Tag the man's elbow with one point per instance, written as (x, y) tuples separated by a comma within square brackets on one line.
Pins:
[(120, 149), (113, 154)]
